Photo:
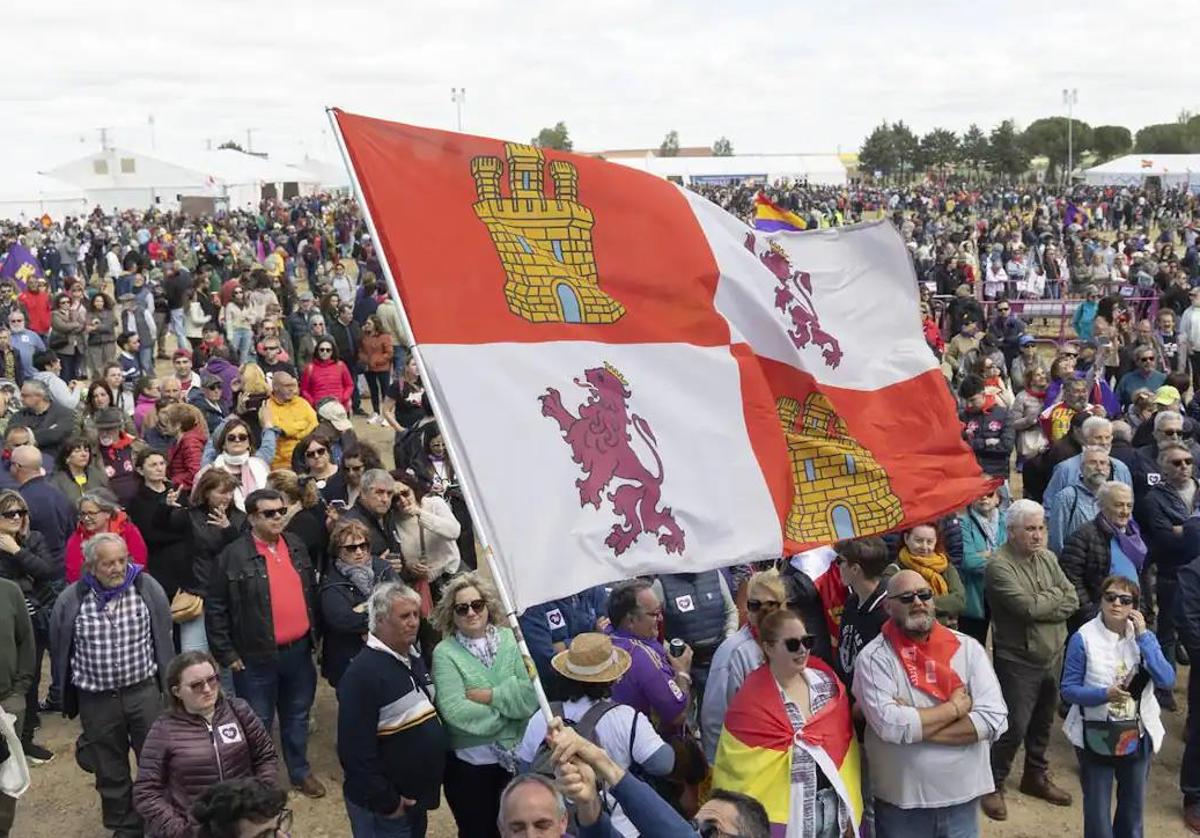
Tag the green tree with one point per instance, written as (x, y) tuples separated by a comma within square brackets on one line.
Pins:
[(670, 144), (1006, 154), (1163, 138), (878, 152), (556, 137), (973, 149), (907, 148), (722, 147), (1048, 136), (939, 148), (1109, 141)]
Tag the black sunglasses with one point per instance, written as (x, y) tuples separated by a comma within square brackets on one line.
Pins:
[(476, 605), (1184, 462), (237, 438), (278, 512), (315, 452), (755, 605), (710, 829), (14, 514), (356, 546), (908, 597), (793, 644), (1123, 599)]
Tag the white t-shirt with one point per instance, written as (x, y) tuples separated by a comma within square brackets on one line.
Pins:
[(612, 734)]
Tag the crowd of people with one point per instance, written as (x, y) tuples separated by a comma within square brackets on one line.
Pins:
[(193, 533)]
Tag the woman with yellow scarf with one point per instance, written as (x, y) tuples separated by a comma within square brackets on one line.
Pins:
[(923, 552)]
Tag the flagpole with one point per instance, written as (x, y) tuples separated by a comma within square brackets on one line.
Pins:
[(451, 447)]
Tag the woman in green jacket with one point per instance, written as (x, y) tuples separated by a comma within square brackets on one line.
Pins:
[(484, 697), (983, 532)]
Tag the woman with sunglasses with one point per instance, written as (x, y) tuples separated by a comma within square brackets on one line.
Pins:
[(427, 531), (796, 705), (1112, 669), (99, 511), (202, 739), (235, 442), (345, 589), (326, 376), (316, 453), (66, 338)]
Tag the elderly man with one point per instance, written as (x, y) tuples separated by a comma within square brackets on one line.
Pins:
[(698, 608), (299, 323), (1168, 427), (1076, 504), (1095, 431), (50, 513), (110, 633), (657, 684), (27, 343), (1108, 544), (1144, 375), (50, 422), (1057, 419), (260, 619), (17, 651), (374, 508), (292, 415), (1162, 513), (1031, 600), (390, 741), (927, 739)]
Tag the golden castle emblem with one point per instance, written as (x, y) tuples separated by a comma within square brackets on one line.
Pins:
[(841, 490), (544, 242)]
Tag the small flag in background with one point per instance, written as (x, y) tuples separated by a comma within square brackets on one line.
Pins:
[(770, 217), (20, 265)]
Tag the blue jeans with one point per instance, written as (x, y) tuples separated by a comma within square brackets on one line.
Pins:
[(177, 329), (1096, 780), (961, 821), (193, 638), (287, 682), (242, 341), (1165, 628), (367, 824)]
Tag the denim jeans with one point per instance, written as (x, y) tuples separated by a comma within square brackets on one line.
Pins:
[(177, 329), (193, 638), (399, 360), (242, 341), (961, 821), (146, 359), (287, 683), (1096, 780), (367, 824), (1165, 628)]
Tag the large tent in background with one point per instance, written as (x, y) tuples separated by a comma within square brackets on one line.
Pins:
[(205, 180), (1172, 170), (332, 177), (31, 197), (818, 169)]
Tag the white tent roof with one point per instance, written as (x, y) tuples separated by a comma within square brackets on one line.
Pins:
[(816, 168), (327, 174), (1131, 169), (231, 166), (37, 187)]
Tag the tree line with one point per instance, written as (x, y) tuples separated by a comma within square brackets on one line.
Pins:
[(559, 138)]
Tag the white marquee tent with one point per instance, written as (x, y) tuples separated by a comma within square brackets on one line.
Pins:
[(1174, 170), (822, 169), (32, 196)]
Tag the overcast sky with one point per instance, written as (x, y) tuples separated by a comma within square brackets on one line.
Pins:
[(797, 76)]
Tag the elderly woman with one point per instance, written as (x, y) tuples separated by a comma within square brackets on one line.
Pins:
[(99, 512), (738, 655), (1113, 667), (922, 551), (1111, 543), (202, 739), (234, 441), (185, 423), (427, 530), (795, 705), (77, 469), (484, 697), (345, 589)]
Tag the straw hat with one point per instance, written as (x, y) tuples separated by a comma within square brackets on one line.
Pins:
[(593, 659)]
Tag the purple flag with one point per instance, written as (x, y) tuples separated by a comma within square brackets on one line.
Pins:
[(20, 265)]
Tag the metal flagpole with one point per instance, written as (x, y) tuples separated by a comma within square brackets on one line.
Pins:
[(438, 412)]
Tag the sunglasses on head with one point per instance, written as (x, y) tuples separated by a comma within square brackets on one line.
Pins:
[(908, 597), (793, 644), (1121, 599), (754, 605), (463, 608), (277, 512)]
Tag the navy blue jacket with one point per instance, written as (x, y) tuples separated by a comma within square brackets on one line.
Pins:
[(1156, 513), (553, 622), (51, 514)]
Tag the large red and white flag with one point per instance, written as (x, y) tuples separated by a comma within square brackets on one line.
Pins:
[(635, 381)]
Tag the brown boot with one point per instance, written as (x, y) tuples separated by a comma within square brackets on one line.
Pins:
[(1040, 785), (1191, 817), (993, 805), (311, 787)]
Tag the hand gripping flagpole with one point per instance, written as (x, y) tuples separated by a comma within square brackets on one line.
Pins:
[(451, 446)]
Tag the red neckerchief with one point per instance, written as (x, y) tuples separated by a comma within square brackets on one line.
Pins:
[(927, 664)]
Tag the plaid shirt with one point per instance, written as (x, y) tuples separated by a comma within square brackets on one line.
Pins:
[(113, 647)]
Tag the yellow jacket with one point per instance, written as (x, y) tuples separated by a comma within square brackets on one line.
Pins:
[(296, 419)]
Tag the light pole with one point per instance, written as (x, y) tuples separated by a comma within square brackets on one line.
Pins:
[(458, 95), (1070, 99)]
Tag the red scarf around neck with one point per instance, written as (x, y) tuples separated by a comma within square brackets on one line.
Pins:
[(927, 664)]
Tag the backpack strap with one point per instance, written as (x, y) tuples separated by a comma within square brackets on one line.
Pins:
[(586, 726)]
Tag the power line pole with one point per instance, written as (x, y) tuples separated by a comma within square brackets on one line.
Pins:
[(458, 95), (1070, 99)]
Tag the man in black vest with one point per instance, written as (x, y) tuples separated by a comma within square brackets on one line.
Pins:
[(699, 610)]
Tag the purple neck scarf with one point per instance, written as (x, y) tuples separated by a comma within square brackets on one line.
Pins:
[(107, 595), (1130, 541)]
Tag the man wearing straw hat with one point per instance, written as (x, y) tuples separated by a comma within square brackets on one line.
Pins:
[(589, 668)]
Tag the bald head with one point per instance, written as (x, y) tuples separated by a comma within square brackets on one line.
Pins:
[(905, 581), (283, 386), (910, 603), (26, 463)]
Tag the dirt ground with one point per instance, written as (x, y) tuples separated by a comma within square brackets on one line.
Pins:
[(62, 801)]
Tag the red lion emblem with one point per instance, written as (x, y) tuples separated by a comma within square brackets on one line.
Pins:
[(600, 444), (794, 298)]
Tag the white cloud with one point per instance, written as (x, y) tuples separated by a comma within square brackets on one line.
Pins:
[(772, 76)]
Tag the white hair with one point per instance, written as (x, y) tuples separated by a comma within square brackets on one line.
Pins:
[(1094, 423), (560, 803), (1022, 509), (1108, 488), (382, 599), (1162, 416), (91, 547), (376, 476)]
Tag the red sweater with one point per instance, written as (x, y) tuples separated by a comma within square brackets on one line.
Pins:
[(183, 458), (122, 526), (322, 379), (37, 307)]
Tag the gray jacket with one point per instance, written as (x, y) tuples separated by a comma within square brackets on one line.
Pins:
[(62, 633)]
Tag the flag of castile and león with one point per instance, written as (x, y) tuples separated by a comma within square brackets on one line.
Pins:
[(637, 382)]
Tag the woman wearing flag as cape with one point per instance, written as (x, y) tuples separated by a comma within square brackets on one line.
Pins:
[(788, 740)]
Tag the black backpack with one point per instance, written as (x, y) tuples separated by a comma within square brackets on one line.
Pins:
[(585, 727)]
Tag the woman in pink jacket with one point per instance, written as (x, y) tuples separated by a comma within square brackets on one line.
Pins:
[(326, 376)]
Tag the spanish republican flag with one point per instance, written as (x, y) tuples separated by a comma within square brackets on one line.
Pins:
[(754, 753), (632, 381), (770, 217)]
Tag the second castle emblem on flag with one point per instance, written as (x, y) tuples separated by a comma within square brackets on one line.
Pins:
[(602, 446)]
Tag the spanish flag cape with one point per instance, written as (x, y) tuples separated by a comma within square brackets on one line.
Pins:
[(754, 753), (770, 217)]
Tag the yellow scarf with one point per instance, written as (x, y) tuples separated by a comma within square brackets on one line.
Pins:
[(930, 567)]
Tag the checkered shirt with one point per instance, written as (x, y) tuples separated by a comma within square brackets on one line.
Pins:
[(113, 647)]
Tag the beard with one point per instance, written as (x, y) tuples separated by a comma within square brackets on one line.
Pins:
[(918, 623)]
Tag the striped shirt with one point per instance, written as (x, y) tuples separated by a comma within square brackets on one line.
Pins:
[(113, 647), (412, 708)]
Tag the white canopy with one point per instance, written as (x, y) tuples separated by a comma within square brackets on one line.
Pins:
[(32, 196), (1174, 170), (823, 169)]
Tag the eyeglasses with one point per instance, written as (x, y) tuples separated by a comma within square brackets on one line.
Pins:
[(793, 644), (1176, 463), (1002, 310), (476, 605), (14, 514), (908, 597), (325, 350), (209, 683), (709, 829), (237, 437), (277, 512), (1145, 358), (1120, 599), (313, 453), (1171, 431), (755, 605), (357, 547), (95, 514), (270, 349)]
